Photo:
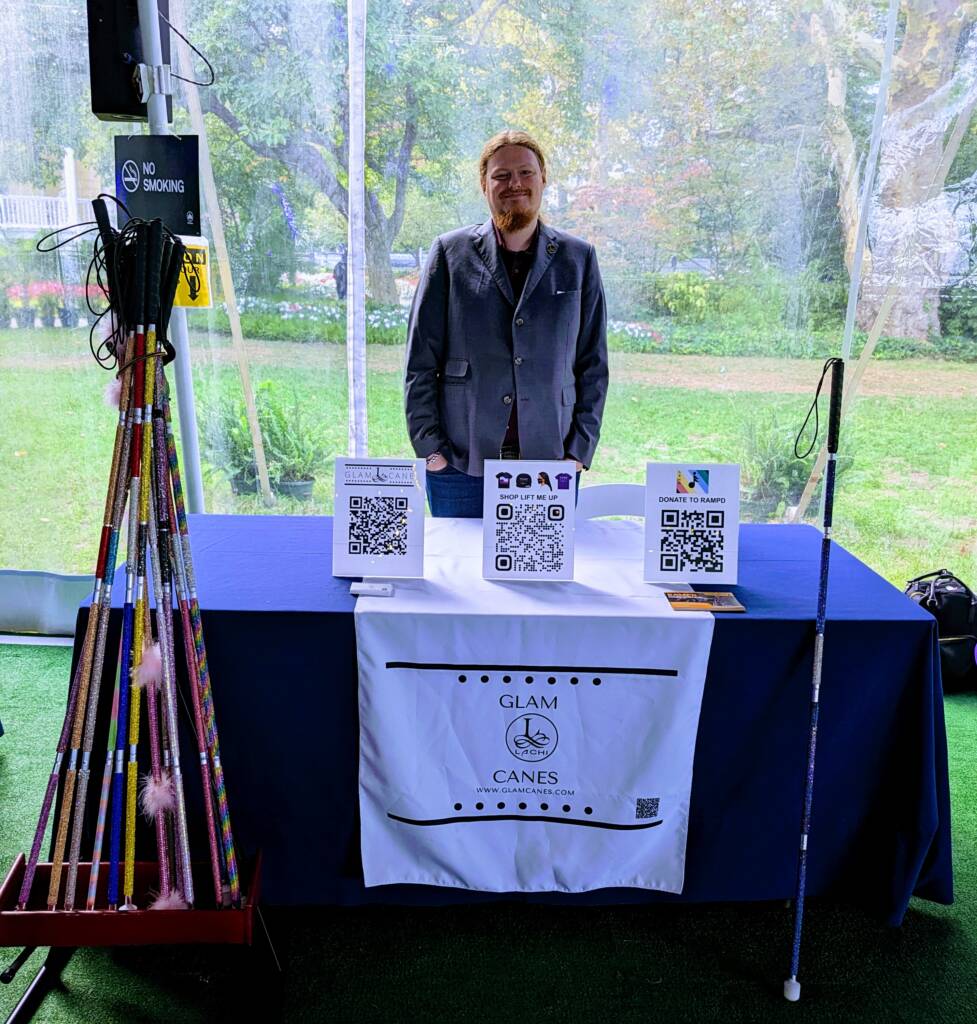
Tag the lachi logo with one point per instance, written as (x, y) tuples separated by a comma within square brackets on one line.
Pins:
[(531, 737)]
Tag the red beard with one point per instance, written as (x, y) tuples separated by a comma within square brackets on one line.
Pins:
[(508, 221)]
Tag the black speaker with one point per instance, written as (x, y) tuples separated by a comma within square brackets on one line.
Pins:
[(114, 50)]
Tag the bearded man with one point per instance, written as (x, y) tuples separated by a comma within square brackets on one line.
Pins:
[(507, 338)]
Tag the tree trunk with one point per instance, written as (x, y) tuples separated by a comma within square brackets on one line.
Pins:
[(381, 286), (913, 237)]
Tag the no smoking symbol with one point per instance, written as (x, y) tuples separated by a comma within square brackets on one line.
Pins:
[(130, 176)]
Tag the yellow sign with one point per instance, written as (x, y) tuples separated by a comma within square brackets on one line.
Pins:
[(193, 288)]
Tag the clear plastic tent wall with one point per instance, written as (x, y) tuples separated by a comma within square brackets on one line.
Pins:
[(714, 153)]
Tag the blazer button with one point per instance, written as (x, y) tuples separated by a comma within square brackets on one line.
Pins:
[(520, 322), (507, 399), (518, 360)]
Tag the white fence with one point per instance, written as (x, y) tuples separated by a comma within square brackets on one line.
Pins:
[(29, 214)]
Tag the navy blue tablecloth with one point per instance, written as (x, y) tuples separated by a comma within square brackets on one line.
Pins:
[(281, 645)]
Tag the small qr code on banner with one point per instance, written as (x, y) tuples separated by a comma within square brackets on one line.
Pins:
[(647, 807), (529, 537), (377, 526), (692, 540)]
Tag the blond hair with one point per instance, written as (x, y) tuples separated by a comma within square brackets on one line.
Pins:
[(509, 137)]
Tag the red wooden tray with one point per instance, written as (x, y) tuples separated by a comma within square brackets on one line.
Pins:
[(38, 926)]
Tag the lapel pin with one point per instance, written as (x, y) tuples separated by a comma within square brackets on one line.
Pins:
[(551, 248)]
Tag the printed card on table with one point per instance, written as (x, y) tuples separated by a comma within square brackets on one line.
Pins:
[(528, 511), (692, 518), (378, 528)]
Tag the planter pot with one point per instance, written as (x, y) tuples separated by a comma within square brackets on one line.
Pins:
[(242, 484), (301, 489), (47, 320), (68, 317)]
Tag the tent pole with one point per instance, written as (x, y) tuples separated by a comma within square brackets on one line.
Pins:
[(356, 244), (156, 107)]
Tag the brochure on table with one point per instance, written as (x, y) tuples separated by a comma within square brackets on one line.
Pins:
[(378, 525), (527, 520), (692, 512)]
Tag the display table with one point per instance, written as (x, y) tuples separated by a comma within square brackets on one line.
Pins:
[(280, 640)]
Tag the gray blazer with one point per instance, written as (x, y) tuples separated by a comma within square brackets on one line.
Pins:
[(472, 352)]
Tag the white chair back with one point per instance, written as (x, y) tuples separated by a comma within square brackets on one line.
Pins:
[(611, 500)]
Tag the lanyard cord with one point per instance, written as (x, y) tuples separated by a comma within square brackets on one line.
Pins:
[(813, 410)]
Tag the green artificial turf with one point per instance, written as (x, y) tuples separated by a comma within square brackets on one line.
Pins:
[(512, 963)]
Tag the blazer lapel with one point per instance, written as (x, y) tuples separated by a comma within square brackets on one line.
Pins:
[(487, 247), (546, 246)]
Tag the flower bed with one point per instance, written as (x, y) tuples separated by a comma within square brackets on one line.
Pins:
[(48, 303)]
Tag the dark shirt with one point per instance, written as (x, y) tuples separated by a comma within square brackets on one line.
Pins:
[(517, 266)]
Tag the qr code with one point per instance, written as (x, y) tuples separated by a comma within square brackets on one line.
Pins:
[(529, 537), (377, 526), (692, 540), (647, 807)]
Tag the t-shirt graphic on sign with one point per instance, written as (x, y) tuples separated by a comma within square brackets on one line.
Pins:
[(504, 479), (528, 528), (563, 481)]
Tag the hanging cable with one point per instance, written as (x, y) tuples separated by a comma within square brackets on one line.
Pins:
[(190, 81)]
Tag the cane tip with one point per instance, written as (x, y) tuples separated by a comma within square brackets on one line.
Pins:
[(792, 990)]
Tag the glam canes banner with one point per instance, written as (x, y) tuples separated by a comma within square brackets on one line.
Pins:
[(563, 767)]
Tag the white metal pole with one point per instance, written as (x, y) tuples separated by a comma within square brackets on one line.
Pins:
[(70, 187), (69, 254), (356, 246), (156, 106)]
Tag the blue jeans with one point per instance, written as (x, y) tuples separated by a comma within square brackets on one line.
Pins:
[(454, 494), (457, 495)]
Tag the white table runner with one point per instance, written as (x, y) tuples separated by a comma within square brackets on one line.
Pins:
[(473, 776)]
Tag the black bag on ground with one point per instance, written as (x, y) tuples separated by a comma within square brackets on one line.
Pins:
[(953, 604)]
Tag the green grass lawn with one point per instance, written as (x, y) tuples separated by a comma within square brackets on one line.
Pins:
[(907, 505)]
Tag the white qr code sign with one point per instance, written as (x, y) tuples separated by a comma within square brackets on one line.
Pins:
[(527, 531), (692, 518), (378, 527)]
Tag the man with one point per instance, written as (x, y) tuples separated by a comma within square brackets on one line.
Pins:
[(339, 273), (506, 344)]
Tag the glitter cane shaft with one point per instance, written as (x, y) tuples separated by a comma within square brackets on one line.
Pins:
[(156, 768), (48, 802), (223, 809), (90, 667), (169, 712), (191, 660), (121, 480), (141, 638), (128, 624)]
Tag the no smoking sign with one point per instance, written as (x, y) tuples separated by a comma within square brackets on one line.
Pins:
[(159, 176)]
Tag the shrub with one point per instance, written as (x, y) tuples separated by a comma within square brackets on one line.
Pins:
[(958, 312), (773, 476), (294, 448)]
